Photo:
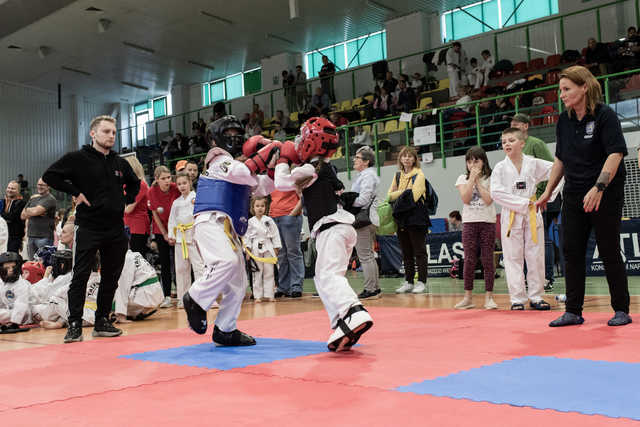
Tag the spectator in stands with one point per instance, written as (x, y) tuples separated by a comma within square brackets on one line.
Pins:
[(252, 128), (285, 122), (202, 126), (289, 86), (589, 151), (408, 191), (257, 115), (338, 119), (455, 221), (362, 138), (286, 211), (192, 170), (161, 196), (504, 110), (320, 102), (279, 134), (406, 98), (301, 88), (597, 57), (136, 214), (418, 83), (219, 111), (536, 148), (366, 185), (390, 83), (474, 74), (456, 66), (10, 209), (486, 66), (628, 51), (245, 119), (40, 210), (24, 186), (326, 77), (382, 105)]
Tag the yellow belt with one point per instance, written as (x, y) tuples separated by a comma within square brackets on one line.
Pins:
[(228, 230), (533, 221), (91, 305), (183, 228)]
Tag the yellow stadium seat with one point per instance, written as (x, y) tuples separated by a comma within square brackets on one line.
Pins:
[(335, 107), (390, 126), (443, 84), (346, 105), (293, 116), (369, 98), (367, 128), (356, 102), (402, 125), (424, 102)]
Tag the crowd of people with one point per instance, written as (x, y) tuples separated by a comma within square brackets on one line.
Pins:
[(204, 217)]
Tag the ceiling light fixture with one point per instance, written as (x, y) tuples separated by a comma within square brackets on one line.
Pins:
[(294, 9), (275, 37), (75, 70), (138, 47), (217, 18), (93, 9), (134, 85), (14, 47), (200, 64), (380, 6), (104, 25)]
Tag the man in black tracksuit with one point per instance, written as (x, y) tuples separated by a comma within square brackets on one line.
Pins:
[(96, 176)]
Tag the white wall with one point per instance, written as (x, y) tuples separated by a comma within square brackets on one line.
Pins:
[(34, 132)]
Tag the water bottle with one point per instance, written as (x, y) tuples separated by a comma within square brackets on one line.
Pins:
[(561, 298)]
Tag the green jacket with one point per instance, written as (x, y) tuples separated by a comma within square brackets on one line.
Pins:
[(535, 147)]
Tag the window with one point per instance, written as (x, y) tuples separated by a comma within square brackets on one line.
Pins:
[(150, 110), (458, 24), (352, 53), (232, 86)]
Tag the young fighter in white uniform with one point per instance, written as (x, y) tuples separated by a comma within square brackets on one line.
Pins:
[(49, 297), (330, 225), (181, 235), (221, 217), (513, 186), (91, 298), (139, 290), (263, 240), (14, 294)]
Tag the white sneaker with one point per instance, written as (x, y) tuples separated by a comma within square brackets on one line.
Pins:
[(490, 304), (404, 288), (419, 288), (180, 304), (166, 303), (465, 304)]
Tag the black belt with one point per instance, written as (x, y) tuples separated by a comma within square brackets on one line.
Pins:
[(326, 227)]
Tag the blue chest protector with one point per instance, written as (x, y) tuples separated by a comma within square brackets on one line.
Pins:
[(223, 196)]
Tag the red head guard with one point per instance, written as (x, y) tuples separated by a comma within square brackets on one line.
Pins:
[(318, 137)]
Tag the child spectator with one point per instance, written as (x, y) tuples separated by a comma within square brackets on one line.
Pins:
[(513, 185), (161, 196), (479, 218), (136, 214), (181, 232), (263, 240), (455, 219)]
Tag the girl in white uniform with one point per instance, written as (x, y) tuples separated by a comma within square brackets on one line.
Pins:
[(330, 225), (513, 186), (263, 240), (181, 235)]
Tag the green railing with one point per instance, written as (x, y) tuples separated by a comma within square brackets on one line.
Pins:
[(351, 85)]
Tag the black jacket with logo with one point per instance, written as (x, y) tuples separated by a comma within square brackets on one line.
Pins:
[(102, 179)]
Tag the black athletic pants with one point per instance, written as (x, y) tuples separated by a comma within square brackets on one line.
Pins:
[(164, 251), (413, 242), (576, 228), (112, 245)]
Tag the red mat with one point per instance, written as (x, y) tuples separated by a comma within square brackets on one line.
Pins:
[(86, 383)]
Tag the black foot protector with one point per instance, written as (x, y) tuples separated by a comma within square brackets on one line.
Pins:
[(355, 318), (196, 316), (234, 338)]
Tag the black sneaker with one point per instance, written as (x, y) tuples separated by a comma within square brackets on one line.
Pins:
[(548, 286), (619, 319), (196, 316), (279, 294), (296, 294), (74, 332), (234, 338), (365, 294), (104, 328)]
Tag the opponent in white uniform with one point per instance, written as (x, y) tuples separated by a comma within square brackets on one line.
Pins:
[(513, 186), (139, 291), (221, 218), (181, 235), (263, 240), (331, 226), (14, 294)]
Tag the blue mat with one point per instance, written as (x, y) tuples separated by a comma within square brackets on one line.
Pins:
[(209, 356), (567, 385)]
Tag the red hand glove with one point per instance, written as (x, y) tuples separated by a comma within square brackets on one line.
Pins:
[(265, 158), (254, 144), (288, 154)]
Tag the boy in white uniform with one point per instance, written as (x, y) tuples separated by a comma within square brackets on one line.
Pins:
[(49, 297), (181, 235), (513, 186), (263, 240), (139, 291), (221, 216), (14, 294)]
